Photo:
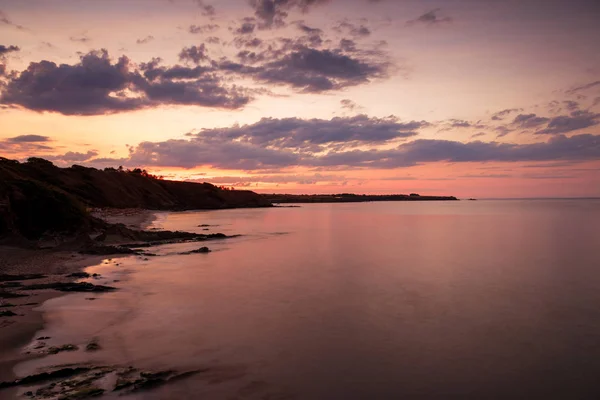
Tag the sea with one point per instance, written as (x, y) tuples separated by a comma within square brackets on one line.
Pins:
[(488, 299)]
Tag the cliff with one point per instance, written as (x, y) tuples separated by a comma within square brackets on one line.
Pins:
[(38, 197)]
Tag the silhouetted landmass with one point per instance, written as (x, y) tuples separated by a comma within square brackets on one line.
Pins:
[(349, 198), (37, 197)]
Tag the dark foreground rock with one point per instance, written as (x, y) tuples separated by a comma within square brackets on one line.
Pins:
[(71, 287), (201, 250), (45, 376), (88, 382), (21, 277)]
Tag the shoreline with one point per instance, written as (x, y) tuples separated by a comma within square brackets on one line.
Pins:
[(55, 266)]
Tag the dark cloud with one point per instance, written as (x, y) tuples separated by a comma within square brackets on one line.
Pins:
[(96, 85), (569, 123), (145, 40), (246, 28), (575, 148), (430, 18), (295, 133), (229, 152), (207, 151), (195, 29), (4, 50), (28, 139), (503, 131), (349, 105), (501, 114), (313, 70), (195, 54), (348, 45), (571, 105), (529, 121)]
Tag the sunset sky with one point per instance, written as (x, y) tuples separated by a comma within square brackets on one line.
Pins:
[(474, 98)]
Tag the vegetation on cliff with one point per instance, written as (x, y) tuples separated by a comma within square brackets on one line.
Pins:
[(37, 197)]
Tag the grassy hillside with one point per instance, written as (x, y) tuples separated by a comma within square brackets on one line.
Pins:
[(37, 197)]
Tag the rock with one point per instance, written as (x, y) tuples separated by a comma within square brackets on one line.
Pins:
[(43, 338), (201, 250), (23, 277), (45, 376), (71, 287), (84, 393), (12, 284), (92, 346), (10, 295), (106, 250), (60, 349), (78, 275), (7, 313)]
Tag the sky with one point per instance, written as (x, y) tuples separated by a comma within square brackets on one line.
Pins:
[(473, 98)]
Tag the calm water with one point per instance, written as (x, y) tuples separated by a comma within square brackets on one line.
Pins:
[(486, 299)]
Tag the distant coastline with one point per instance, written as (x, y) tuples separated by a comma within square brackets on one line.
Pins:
[(349, 198)]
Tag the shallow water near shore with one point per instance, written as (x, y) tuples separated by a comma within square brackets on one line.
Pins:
[(486, 299)]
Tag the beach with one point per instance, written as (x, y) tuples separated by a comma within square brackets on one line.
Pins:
[(54, 266)]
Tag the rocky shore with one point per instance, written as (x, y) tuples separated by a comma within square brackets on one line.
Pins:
[(44, 269)]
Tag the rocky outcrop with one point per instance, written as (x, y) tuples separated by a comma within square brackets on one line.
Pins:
[(37, 198)]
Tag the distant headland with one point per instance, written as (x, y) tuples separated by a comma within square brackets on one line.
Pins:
[(350, 198)]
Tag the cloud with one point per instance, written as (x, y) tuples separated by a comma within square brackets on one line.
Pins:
[(430, 18), (246, 28), (277, 178), (529, 120), (313, 70), (272, 13), (310, 134), (196, 29), (4, 20), (501, 114), (576, 148), (145, 40), (218, 150), (96, 86), (4, 50), (210, 152), (28, 139), (352, 29), (195, 54), (206, 9), (80, 39), (349, 105), (580, 88), (568, 123), (71, 157), (25, 144)]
